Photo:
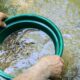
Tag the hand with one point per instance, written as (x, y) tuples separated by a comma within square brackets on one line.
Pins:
[(53, 65), (46, 67), (2, 17)]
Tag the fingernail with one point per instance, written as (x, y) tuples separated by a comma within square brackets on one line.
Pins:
[(4, 25)]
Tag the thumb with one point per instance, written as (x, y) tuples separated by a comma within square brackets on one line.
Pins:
[(2, 24), (2, 16)]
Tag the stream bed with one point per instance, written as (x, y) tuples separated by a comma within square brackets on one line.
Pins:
[(65, 14)]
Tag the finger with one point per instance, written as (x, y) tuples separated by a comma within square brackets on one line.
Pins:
[(2, 16), (62, 60), (2, 24), (58, 72)]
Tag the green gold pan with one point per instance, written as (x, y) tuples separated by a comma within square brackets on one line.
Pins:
[(32, 21)]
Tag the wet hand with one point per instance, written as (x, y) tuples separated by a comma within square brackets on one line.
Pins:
[(2, 17), (53, 65), (49, 66)]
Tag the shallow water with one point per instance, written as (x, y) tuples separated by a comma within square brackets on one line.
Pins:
[(66, 15), (23, 49)]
